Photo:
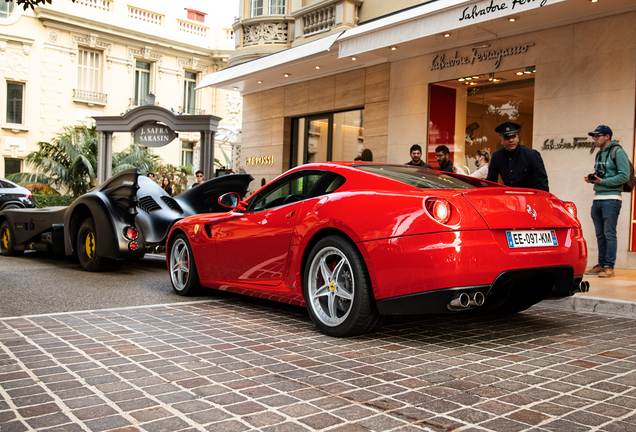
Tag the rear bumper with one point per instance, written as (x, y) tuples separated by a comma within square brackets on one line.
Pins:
[(512, 290)]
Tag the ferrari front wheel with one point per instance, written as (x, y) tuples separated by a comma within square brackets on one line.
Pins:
[(183, 270), (337, 289), (87, 249), (7, 241)]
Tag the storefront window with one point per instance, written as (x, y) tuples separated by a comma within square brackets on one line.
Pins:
[(465, 112), (329, 137)]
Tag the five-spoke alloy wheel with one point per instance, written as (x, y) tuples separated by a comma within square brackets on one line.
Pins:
[(337, 289), (183, 270)]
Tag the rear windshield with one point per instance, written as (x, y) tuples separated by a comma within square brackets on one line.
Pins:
[(418, 177)]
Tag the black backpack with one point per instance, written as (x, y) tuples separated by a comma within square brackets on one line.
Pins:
[(629, 185)]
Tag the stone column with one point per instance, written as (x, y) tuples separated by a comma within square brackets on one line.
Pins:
[(207, 154), (104, 156)]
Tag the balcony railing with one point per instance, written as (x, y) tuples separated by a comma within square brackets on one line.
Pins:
[(192, 28), (89, 97), (101, 5), (191, 111), (145, 16), (319, 20), (268, 32)]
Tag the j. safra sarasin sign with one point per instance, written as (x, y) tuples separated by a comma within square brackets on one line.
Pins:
[(153, 135)]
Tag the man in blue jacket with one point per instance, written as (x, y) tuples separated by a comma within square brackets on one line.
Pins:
[(608, 179), (518, 165)]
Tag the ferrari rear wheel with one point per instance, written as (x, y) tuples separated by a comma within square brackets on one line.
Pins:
[(87, 251), (183, 270), (7, 244), (337, 289)]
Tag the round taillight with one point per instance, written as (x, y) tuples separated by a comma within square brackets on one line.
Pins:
[(439, 209), (571, 207), (133, 246), (131, 233)]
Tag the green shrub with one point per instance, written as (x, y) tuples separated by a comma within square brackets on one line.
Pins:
[(42, 200)]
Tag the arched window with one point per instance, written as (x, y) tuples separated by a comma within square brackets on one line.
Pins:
[(6, 9)]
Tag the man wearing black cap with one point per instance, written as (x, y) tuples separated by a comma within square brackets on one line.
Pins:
[(518, 165), (610, 172)]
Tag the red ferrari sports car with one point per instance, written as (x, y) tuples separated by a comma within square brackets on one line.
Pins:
[(353, 241)]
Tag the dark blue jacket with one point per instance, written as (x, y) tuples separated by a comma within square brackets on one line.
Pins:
[(521, 168)]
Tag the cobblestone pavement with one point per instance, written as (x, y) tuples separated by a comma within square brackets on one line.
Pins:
[(239, 364)]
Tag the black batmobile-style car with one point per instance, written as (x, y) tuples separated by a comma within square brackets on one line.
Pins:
[(123, 218)]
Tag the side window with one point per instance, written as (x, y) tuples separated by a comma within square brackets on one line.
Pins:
[(4, 185), (296, 189)]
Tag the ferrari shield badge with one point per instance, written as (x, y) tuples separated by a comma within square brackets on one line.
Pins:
[(530, 210), (196, 228)]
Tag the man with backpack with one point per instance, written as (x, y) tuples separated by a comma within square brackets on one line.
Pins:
[(611, 171)]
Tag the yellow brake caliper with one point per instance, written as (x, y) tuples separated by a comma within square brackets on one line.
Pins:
[(90, 245), (5, 238)]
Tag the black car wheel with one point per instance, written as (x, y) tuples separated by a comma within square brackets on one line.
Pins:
[(87, 249), (7, 244), (11, 206), (183, 270), (337, 289)]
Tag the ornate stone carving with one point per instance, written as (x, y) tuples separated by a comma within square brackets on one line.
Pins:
[(146, 53), (265, 33), (14, 60), (234, 105), (53, 36)]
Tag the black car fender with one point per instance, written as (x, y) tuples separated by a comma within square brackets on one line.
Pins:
[(112, 207)]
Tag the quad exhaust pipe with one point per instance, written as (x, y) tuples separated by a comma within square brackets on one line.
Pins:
[(466, 300)]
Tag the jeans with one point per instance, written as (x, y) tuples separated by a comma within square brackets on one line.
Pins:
[(605, 217)]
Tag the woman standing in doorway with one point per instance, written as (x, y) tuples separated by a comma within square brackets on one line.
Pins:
[(481, 162)]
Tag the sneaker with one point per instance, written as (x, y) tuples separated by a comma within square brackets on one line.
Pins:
[(607, 272), (595, 270)]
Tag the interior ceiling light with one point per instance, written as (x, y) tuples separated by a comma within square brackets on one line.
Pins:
[(496, 80), (519, 73), (593, 1), (447, 34), (354, 58), (317, 67), (393, 48), (529, 70), (286, 75), (461, 80), (259, 82), (491, 76), (235, 88), (513, 19), (473, 83), (476, 77)]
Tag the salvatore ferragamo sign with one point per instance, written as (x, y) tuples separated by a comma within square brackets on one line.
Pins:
[(577, 142), (440, 61)]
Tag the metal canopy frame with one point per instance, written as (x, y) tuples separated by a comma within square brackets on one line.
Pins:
[(206, 125)]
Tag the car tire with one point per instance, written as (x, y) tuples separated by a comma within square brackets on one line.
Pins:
[(11, 206), (183, 269), (87, 250), (337, 289), (7, 242)]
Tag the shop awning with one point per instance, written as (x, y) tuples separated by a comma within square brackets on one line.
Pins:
[(433, 18), (279, 59)]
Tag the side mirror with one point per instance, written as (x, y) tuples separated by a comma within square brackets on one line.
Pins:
[(232, 200)]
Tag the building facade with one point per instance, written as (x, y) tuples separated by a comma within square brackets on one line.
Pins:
[(65, 63), (448, 72)]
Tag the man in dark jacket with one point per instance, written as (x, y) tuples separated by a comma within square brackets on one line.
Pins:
[(518, 165), (416, 157)]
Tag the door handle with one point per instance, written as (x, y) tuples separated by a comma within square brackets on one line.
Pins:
[(290, 214)]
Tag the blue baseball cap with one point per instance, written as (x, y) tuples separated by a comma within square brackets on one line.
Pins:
[(601, 130)]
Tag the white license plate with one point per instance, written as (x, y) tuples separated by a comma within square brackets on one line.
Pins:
[(521, 239)]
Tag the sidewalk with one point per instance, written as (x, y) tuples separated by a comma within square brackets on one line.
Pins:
[(613, 296)]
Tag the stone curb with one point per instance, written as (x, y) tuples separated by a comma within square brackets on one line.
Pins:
[(622, 308)]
